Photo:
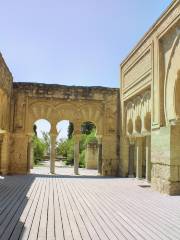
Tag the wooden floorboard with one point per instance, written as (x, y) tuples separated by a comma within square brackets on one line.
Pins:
[(45, 207)]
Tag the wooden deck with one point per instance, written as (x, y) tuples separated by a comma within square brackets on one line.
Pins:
[(74, 208)]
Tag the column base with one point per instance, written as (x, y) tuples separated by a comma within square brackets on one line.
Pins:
[(148, 181), (139, 178), (4, 172), (76, 170), (131, 176), (165, 187)]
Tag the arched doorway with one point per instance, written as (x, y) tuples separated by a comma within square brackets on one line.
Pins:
[(65, 148), (177, 95), (88, 158), (39, 146)]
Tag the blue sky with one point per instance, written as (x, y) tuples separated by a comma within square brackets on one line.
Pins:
[(44, 126), (71, 42)]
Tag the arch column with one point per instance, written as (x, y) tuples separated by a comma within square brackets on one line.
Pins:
[(53, 153), (53, 136), (30, 152), (5, 153), (99, 160), (76, 153), (131, 157), (1, 142), (148, 158), (139, 156)]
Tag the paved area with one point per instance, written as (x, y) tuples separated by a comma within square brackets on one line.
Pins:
[(62, 169), (67, 207)]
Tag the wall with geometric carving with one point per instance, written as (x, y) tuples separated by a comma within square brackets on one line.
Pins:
[(150, 90), (54, 103)]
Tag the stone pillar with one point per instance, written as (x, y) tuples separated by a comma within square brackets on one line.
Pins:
[(131, 159), (124, 157), (139, 155), (165, 159), (5, 153), (148, 158), (1, 141), (99, 160), (76, 153), (30, 153), (91, 155), (53, 153)]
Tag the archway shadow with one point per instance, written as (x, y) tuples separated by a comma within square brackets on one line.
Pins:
[(14, 198)]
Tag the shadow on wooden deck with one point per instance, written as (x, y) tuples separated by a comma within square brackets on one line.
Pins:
[(15, 192)]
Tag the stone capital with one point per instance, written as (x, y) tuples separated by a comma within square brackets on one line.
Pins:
[(99, 138), (77, 137)]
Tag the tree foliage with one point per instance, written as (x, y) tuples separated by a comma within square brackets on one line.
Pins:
[(65, 147), (35, 129), (70, 130), (41, 146), (46, 141), (87, 127), (39, 149)]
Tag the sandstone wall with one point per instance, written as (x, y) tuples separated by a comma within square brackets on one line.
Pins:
[(154, 64), (5, 115), (54, 103)]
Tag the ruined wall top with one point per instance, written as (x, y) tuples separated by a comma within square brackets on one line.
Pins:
[(63, 91), (5, 77)]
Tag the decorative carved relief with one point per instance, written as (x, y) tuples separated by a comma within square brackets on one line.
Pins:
[(142, 66), (170, 80), (20, 107), (137, 112)]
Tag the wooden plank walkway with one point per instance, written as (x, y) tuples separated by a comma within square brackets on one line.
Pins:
[(74, 208)]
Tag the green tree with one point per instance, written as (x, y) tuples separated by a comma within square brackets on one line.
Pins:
[(70, 130), (35, 129), (39, 149), (47, 141), (62, 148), (65, 148), (87, 127), (91, 137), (85, 139)]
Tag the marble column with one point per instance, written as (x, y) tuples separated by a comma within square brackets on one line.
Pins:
[(53, 153), (148, 158), (139, 156), (99, 160), (76, 154)]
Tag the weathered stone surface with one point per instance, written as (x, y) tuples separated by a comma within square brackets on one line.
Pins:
[(147, 107), (150, 90), (91, 156), (54, 103)]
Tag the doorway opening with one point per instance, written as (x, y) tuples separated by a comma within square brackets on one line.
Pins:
[(88, 150), (39, 147), (64, 163)]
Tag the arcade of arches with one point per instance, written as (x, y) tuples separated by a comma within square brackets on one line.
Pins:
[(138, 126)]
